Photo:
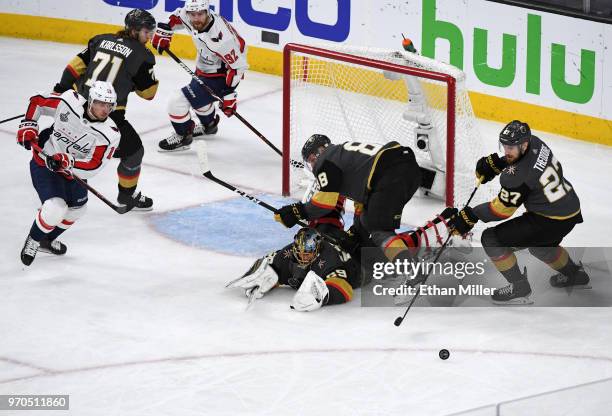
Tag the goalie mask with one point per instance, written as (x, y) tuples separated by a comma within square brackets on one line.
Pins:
[(306, 245)]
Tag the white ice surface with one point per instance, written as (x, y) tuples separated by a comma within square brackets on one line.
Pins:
[(132, 323)]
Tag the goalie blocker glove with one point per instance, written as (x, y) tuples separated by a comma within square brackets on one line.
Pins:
[(488, 167), (290, 215), (312, 294)]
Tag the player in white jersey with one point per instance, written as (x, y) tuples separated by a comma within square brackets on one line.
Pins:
[(81, 141), (221, 63)]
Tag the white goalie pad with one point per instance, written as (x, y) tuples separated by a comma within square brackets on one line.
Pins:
[(259, 279), (311, 295)]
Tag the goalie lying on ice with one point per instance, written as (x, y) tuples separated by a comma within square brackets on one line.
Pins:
[(322, 273)]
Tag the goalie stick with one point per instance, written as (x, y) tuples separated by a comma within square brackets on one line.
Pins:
[(118, 209), (293, 162), (398, 321)]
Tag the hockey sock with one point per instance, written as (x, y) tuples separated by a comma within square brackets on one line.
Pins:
[(184, 128), (560, 260), (128, 172), (48, 217), (205, 114), (508, 267)]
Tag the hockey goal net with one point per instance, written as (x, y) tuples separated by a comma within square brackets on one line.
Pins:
[(374, 95)]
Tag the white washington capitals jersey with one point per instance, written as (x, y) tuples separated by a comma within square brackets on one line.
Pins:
[(91, 143), (219, 46)]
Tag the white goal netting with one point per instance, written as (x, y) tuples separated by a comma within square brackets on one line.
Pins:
[(374, 102)]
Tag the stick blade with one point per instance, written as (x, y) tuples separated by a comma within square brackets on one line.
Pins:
[(202, 151)]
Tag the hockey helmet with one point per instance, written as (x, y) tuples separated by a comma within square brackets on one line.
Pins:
[(306, 245), (102, 91), (515, 133), (197, 5), (137, 19), (312, 145)]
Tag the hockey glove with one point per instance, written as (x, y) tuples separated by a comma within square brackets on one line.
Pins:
[(289, 215), (312, 294), (228, 106), (259, 279), (61, 163), (488, 167), (464, 221), (26, 133), (162, 37)]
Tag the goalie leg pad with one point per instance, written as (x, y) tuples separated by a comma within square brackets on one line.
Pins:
[(312, 294)]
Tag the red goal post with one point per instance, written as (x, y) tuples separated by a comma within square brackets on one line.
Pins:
[(316, 52)]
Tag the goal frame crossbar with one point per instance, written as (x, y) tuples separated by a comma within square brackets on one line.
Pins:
[(370, 63)]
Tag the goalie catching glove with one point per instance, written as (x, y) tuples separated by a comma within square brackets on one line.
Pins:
[(312, 294), (488, 167), (259, 279)]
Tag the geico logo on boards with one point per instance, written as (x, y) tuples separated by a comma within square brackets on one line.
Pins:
[(278, 21)]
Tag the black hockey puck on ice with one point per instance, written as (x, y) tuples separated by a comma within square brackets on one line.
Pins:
[(444, 354)]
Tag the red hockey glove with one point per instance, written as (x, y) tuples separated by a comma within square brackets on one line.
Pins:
[(162, 37), (61, 163), (27, 133), (228, 106)]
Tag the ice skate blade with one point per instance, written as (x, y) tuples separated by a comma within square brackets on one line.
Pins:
[(525, 300), (178, 149)]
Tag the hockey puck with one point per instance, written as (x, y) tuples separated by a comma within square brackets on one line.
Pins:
[(398, 321), (444, 354)]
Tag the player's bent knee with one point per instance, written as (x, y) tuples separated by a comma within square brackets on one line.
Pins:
[(53, 211), (546, 254), (74, 213), (178, 107)]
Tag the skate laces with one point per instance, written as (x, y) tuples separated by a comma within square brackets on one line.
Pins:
[(31, 247), (506, 290), (174, 139)]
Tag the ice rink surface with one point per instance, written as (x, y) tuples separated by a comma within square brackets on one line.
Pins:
[(134, 322)]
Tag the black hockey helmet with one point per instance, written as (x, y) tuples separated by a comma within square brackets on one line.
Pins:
[(306, 245), (515, 133), (312, 145), (138, 18)]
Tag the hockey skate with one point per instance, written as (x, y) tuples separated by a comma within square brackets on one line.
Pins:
[(208, 130), (175, 143), (578, 280), (141, 202), (52, 247), (29, 250), (516, 293)]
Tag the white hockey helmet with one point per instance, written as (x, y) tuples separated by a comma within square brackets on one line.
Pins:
[(197, 5), (103, 91)]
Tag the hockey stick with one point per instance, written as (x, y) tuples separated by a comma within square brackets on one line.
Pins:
[(398, 321), (294, 163), (203, 159), (118, 209), (12, 118)]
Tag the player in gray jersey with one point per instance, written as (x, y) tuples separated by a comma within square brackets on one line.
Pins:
[(122, 59), (533, 177), (379, 178)]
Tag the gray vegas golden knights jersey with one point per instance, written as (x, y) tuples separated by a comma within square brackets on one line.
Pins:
[(345, 169), (330, 263), (122, 61), (537, 181)]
